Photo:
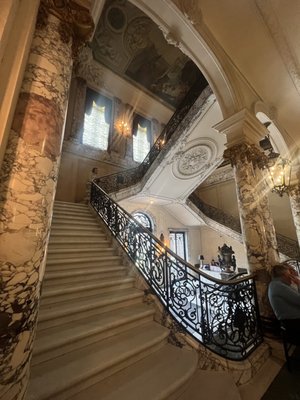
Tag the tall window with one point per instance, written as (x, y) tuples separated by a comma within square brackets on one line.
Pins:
[(178, 243), (143, 219), (141, 138), (97, 120)]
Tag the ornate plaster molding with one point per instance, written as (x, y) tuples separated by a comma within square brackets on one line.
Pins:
[(223, 174)]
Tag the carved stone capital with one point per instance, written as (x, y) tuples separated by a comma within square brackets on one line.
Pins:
[(75, 21), (245, 152)]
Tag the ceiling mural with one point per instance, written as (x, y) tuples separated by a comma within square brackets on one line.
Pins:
[(130, 44)]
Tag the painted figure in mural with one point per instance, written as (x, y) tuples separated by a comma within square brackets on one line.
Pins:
[(284, 296)]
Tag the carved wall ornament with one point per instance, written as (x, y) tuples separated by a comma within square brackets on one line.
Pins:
[(193, 160), (87, 68), (246, 152)]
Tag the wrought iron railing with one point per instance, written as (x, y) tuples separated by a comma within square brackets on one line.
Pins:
[(123, 179), (223, 316), (286, 246)]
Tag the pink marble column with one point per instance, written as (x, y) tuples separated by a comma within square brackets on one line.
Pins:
[(294, 195), (243, 132), (27, 186)]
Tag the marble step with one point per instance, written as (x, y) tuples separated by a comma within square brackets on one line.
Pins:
[(75, 213), (73, 310), (155, 377), (65, 205), (56, 234), (78, 243), (62, 253), (63, 292), (79, 275), (64, 376), (87, 229), (87, 260), (56, 341), (72, 222), (62, 217)]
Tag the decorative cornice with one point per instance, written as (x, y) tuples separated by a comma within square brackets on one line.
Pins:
[(242, 127)]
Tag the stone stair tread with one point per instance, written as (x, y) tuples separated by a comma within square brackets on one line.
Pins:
[(86, 259), (80, 272), (77, 234), (49, 311), (86, 285), (54, 376), (85, 250), (153, 378), (72, 331)]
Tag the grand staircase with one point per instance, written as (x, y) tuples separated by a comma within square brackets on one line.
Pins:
[(96, 338)]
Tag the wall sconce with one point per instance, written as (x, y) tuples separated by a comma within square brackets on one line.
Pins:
[(279, 168), (123, 128)]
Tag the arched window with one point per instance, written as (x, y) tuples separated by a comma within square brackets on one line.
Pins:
[(144, 220), (141, 138), (97, 120)]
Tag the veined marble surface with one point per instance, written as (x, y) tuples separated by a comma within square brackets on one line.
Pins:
[(27, 187)]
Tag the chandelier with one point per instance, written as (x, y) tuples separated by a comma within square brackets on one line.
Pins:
[(279, 169)]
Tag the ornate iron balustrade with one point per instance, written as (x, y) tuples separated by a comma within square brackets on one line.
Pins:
[(129, 177), (221, 315), (285, 245)]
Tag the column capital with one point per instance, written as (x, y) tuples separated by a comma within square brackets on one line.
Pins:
[(243, 152), (76, 21), (242, 127)]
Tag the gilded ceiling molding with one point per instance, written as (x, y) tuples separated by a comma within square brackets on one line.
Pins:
[(273, 24), (75, 21), (244, 152)]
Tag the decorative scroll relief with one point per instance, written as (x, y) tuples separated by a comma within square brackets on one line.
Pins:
[(195, 159), (89, 69)]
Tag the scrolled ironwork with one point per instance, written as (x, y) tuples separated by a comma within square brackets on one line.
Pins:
[(221, 315)]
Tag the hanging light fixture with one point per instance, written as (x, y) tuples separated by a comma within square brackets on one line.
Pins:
[(279, 168), (280, 175)]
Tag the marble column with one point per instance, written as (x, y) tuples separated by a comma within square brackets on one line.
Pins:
[(28, 182), (243, 132), (294, 195)]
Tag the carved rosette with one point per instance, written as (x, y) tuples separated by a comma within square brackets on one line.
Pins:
[(245, 152), (75, 21)]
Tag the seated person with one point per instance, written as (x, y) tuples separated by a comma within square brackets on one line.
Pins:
[(284, 296)]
